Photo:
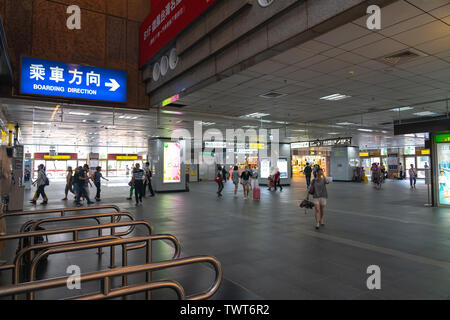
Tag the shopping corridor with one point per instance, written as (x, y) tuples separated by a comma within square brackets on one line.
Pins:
[(269, 249)]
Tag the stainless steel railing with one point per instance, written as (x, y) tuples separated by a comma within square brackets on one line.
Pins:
[(106, 276)]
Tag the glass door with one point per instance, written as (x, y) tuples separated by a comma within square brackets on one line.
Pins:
[(423, 162)]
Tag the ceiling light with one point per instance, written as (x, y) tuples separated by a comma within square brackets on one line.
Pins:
[(208, 123), (299, 130), (345, 123), (43, 123), (172, 112), (256, 115), (333, 133), (250, 127), (79, 113), (401, 109), (425, 113), (365, 130), (335, 97)]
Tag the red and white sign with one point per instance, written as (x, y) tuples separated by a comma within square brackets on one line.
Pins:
[(167, 19)]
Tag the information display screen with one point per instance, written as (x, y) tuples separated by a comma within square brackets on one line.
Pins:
[(282, 165), (172, 162), (265, 168), (444, 173)]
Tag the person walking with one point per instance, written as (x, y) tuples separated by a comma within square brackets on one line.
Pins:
[(98, 176), (75, 182), (235, 179), (88, 181), (277, 180), (314, 170), (148, 181), (219, 179), (83, 180), (137, 181), (131, 188), (412, 177), (400, 169), (320, 195), (245, 180), (307, 172), (224, 174), (69, 182), (41, 182)]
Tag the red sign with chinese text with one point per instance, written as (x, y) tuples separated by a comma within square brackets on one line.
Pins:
[(167, 19)]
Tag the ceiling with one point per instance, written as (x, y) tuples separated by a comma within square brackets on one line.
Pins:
[(347, 60)]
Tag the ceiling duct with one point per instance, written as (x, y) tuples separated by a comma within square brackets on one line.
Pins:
[(402, 57)]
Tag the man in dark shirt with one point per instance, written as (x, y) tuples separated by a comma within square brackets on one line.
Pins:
[(307, 172), (148, 182), (138, 182), (81, 180)]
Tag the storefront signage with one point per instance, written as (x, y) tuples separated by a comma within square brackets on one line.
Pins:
[(67, 80), (363, 154), (259, 146), (215, 144), (442, 138), (124, 157), (425, 152), (166, 20), (170, 100), (330, 142), (59, 156), (299, 145)]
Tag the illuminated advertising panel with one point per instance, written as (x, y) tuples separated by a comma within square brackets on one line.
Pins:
[(265, 168), (282, 165), (172, 162), (444, 173)]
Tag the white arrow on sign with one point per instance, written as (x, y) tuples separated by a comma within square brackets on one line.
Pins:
[(113, 85)]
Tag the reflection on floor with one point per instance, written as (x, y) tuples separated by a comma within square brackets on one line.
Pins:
[(269, 249)]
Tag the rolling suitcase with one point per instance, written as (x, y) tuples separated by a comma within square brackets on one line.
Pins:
[(256, 194)]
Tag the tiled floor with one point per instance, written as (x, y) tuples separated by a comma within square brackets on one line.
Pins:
[(269, 249)]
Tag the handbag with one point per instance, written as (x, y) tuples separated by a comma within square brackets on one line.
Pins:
[(311, 188), (217, 179)]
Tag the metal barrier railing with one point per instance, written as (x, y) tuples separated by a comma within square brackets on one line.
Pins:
[(34, 224), (75, 235), (147, 244), (62, 211), (106, 276)]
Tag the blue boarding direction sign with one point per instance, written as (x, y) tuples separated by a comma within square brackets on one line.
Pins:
[(66, 80)]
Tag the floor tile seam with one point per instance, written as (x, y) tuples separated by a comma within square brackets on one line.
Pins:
[(362, 245)]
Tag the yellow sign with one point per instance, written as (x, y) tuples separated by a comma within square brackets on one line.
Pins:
[(126, 158), (259, 146), (57, 157), (425, 152), (363, 154)]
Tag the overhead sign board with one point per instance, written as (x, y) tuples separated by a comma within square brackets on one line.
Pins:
[(299, 145), (66, 80), (166, 20)]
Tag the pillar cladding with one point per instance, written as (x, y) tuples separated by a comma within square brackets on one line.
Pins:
[(235, 35), (344, 160)]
